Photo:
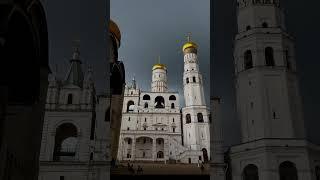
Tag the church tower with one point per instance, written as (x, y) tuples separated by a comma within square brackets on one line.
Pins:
[(73, 142), (273, 144), (159, 78), (269, 103), (195, 114)]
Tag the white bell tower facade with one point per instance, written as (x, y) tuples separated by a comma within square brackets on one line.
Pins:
[(195, 114), (273, 144), (269, 103), (159, 78)]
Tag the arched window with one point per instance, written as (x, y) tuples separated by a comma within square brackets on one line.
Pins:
[(269, 56), (200, 117), (317, 172), (65, 142), (173, 129), (146, 97), (188, 118), (288, 171), (187, 80), (172, 106), (146, 105), (130, 106), (70, 98), (129, 141), (194, 79), (250, 172), (172, 98), (160, 154), (205, 155), (248, 64), (265, 25), (159, 101), (248, 28)]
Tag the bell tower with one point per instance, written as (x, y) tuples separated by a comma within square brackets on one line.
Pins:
[(159, 78), (195, 114), (268, 99), (273, 144)]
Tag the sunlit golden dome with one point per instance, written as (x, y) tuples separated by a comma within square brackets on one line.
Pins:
[(114, 29), (159, 66), (189, 45)]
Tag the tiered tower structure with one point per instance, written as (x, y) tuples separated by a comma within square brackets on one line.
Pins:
[(195, 114), (159, 78), (268, 98)]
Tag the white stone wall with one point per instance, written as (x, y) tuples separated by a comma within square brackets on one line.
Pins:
[(255, 15), (150, 122), (268, 99), (267, 155), (193, 81), (82, 115)]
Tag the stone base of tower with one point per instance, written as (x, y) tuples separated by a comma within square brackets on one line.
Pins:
[(267, 155)]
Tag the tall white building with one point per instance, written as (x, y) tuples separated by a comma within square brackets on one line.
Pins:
[(154, 126), (273, 144)]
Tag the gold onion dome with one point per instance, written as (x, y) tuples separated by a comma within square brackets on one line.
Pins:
[(114, 29), (159, 66), (189, 45)]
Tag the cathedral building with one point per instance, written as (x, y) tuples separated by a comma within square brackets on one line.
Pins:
[(156, 128), (81, 126)]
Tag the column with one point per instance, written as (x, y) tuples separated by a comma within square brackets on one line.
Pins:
[(133, 150), (166, 149), (154, 149)]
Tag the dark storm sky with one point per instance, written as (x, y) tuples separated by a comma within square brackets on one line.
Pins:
[(83, 20), (151, 28), (302, 22)]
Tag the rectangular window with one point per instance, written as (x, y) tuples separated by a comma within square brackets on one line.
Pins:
[(93, 126), (61, 177)]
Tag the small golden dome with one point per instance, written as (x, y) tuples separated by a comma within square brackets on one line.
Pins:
[(189, 45), (114, 29), (159, 66)]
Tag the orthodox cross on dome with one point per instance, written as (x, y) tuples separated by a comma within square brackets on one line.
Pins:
[(159, 59), (189, 36)]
